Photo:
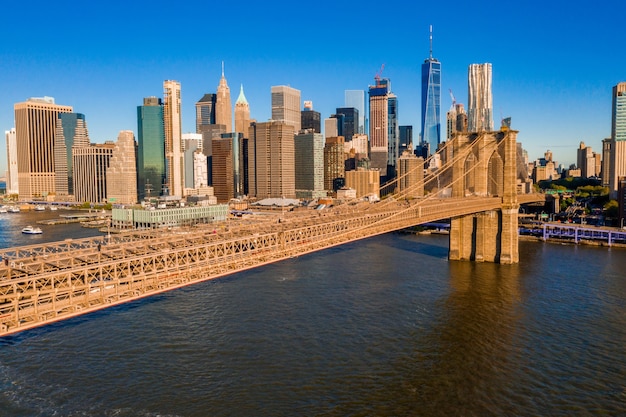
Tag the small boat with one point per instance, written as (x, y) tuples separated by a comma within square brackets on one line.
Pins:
[(30, 230), (53, 208), (40, 207), (4, 209), (14, 209)]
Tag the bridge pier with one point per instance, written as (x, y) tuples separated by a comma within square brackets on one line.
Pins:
[(488, 168)]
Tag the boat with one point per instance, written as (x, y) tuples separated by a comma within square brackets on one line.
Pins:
[(4, 209), (14, 209), (53, 208), (30, 230), (40, 207)]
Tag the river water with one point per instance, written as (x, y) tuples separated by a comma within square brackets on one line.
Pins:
[(382, 327)]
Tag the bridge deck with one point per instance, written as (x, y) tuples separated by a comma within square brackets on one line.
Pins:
[(45, 283)]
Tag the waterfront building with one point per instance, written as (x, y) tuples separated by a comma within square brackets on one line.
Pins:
[(411, 174), (121, 175), (90, 164), (71, 131), (227, 166), (348, 123), (150, 149), (271, 160), (173, 147), (286, 106), (480, 99), (431, 99), (223, 109), (310, 119), (334, 161), (309, 164), (242, 114), (617, 165), (205, 111), (356, 99), (12, 185), (379, 123), (170, 217), (365, 181), (35, 130)]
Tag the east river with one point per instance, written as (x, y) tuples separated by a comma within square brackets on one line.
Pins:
[(382, 327)]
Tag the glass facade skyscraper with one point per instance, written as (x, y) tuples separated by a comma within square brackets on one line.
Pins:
[(151, 148), (479, 98), (431, 102), (356, 99)]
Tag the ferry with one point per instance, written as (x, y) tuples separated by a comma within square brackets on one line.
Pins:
[(30, 230)]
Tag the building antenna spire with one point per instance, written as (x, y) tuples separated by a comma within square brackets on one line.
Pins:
[(222, 68), (431, 42)]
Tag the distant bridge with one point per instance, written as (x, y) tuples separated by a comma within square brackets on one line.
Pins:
[(46, 283)]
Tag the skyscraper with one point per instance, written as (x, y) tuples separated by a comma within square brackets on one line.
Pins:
[(227, 166), (334, 161), (356, 99), (11, 141), (309, 164), (223, 109), (173, 145), (71, 132), (121, 176), (242, 114), (205, 111), (310, 119), (349, 123), (151, 149), (271, 160), (379, 122), (35, 128), (90, 171), (617, 166), (393, 137), (286, 106), (480, 100), (431, 99)]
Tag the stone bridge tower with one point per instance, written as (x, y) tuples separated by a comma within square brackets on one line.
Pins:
[(484, 165)]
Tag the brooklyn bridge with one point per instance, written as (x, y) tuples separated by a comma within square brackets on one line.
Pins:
[(475, 187)]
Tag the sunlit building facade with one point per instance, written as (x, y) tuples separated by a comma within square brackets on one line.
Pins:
[(480, 98)]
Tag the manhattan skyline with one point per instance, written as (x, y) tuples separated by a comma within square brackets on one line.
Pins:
[(554, 65)]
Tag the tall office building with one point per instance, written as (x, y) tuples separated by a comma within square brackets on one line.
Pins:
[(35, 129), (607, 146), (173, 146), (151, 175), (271, 160), (393, 137), (334, 161), (617, 166), (431, 99), (71, 132), (379, 124), (309, 164), (227, 166), (411, 174), (480, 99), (586, 161), (189, 158), (406, 138), (121, 176), (349, 123), (242, 114), (223, 109), (11, 141), (90, 171), (356, 100), (205, 111), (286, 106), (200, 170), (310, 119)]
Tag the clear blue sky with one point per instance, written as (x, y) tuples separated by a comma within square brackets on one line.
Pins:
[(554, 62)]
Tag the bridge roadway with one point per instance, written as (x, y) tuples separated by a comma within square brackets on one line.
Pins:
[(51, 282)]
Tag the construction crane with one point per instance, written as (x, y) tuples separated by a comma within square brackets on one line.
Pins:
[(379, 74), (452, 97)]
